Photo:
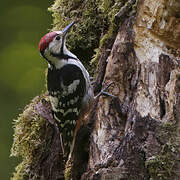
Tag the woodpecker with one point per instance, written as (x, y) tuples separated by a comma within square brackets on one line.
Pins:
[(68, 84)]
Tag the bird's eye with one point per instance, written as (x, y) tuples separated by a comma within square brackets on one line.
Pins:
[(57, 37)]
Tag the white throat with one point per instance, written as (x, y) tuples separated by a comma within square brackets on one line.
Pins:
[(56, 61)]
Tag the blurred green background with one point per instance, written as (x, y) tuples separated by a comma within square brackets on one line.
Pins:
[(22, 24)]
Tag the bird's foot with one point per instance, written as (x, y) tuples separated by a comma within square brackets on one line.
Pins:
[(104, 93)]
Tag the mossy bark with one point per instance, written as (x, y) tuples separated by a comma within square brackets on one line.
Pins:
[(135, 135)]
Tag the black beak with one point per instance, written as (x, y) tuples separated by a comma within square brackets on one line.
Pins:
[(64, 32), (67, 28)]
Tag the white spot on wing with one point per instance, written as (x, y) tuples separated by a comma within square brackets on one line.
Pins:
[(72, 101), (71, 88), (73, 122), (76, 111), (61, 110), (57, 118), (69, 133), (76, 99), (68, 111)]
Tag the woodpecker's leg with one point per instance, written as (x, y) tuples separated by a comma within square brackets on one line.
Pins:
[(103, 92)]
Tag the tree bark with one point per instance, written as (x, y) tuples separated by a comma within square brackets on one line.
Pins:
[(136, 134)]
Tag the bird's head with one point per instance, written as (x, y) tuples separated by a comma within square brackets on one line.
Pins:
[(53, 44)]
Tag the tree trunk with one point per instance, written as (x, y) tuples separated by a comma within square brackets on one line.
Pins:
[(135, 135)]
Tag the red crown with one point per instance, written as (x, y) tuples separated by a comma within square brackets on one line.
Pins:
[(45, 40)]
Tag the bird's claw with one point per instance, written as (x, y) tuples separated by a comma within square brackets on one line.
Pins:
[(104, 93)]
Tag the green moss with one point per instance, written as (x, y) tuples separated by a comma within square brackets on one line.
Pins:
[(68, 170), (94, 27), (161, 166), (20, 173), (29, 142), (85, 35)]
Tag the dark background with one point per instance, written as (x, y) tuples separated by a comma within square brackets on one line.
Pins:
[(22, 24)]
